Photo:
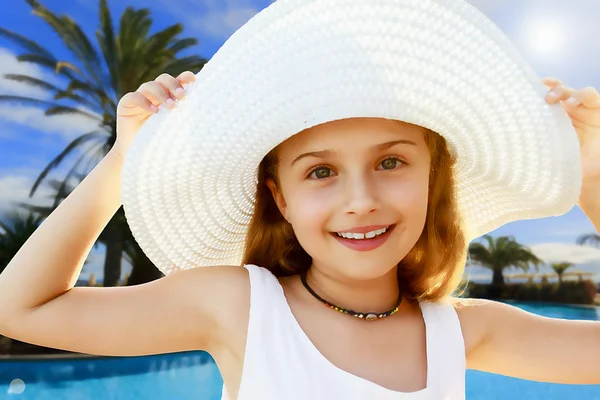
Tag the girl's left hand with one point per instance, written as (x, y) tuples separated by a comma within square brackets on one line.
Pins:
[(585, 115)]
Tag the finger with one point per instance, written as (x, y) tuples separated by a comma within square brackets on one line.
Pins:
[(587, 97), (132, 102), (186, 77), (172, 85), (552, 82), (157, 94), (559, 93)]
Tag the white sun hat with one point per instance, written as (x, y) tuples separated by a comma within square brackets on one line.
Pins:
[(189, 179)]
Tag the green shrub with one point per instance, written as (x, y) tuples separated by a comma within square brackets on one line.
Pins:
[(579, 292)]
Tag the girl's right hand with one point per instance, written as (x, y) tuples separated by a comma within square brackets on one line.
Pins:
[(136, 107)]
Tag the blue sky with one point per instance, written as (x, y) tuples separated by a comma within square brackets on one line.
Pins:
[(556, 37)]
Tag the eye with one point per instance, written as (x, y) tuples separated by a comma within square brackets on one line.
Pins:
[(390, 163), (320, 173)]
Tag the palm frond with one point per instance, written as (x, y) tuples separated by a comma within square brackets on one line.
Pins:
[(58, 159), (64, 190), (591, 238), (103, 99), (73, 38), (31, 81), (88, 54), (61, 110), (191, 63), (26, 43), (27, 101), (182, 44), (58, 67), (59, 93), (42, 210), (559, 268), (480, 254), (160, 40), (52, 108), (106, 41), (134, 24)]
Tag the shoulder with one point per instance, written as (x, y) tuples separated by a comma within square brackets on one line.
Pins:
[(476, 311), (228, 300), (221, 294)]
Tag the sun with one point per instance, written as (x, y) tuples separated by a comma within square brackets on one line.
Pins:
[(543, 35)]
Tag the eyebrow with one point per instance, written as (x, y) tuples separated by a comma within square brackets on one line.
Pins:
[(379, 147)]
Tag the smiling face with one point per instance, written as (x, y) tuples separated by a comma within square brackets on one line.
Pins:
[(355, 192)]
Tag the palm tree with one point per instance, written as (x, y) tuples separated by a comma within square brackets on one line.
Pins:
[(143, 269), (502, 253), (560, 268), (127, 59), (17, 228), (591, 238)]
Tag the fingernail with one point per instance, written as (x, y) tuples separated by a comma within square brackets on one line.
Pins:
[(572, 101), (179, 92), (552, 93), (154, 108), (170, 103)]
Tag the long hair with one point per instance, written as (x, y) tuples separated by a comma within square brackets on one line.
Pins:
[(431, 270)]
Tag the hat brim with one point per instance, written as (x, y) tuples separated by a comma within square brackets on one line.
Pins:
[(189, 178)]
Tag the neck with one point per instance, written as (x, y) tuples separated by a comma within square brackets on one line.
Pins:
[(373, 295)]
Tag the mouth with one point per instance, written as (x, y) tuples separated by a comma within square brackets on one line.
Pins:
[(364, 241)]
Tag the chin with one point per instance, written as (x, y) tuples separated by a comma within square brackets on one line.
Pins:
[(366, 269)]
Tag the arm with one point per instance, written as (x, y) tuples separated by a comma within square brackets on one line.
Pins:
[(39, 305), (520, 344), (589, 202), (513, 342)]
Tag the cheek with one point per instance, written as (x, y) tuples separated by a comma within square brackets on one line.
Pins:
[(310, 209), (409, 196)]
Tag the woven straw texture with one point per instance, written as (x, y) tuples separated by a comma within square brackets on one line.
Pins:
[(189, 179)]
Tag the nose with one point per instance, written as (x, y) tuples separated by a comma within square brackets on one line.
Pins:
[(360, 195)]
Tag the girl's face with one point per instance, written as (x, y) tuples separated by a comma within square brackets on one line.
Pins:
[(355, 177)]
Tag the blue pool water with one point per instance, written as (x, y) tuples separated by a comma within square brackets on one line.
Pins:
[(193, 375)]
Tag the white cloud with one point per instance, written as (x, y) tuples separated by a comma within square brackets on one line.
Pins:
[(10, 65), (223, 22), (216, 18), (16, 183), (15, 188), (67, 126), (559, 252)]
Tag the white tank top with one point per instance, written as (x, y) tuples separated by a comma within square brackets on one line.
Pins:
[(282, 363)]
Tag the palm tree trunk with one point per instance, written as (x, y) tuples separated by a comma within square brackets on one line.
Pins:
[(143, 270), (497, 277), (114, 253)]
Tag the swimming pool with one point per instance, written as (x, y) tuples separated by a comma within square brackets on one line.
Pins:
[(193, 375)]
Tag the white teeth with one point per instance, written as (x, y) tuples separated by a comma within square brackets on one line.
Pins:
[(368, 235)]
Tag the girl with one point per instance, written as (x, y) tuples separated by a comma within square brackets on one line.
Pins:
[(358, 214)]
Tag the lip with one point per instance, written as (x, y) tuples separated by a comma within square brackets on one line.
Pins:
[(366, 244)]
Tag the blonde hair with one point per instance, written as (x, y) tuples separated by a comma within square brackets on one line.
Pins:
[(431, 270)]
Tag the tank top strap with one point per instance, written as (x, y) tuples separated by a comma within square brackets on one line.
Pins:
[(445, 345), (265, 291), (271, 339)]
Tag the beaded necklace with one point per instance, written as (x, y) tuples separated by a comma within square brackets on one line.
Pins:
[(369, 316)]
